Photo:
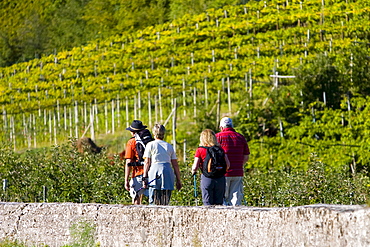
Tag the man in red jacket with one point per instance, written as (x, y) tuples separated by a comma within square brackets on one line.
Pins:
[(237, 150)]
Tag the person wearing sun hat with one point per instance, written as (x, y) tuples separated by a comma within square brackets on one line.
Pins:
[(237, 150), (133, 167)]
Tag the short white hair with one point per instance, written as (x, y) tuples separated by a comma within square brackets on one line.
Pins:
[(159, 131)]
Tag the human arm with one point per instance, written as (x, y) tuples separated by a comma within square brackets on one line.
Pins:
[(227, 162), (195, 166), (245, 159), (130, 157), (128, 170), (147, 164), (175, 166)]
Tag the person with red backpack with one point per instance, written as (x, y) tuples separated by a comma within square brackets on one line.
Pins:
[(213, 162), (134, 165)]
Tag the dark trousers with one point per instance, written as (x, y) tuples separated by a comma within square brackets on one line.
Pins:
[(213, 190)]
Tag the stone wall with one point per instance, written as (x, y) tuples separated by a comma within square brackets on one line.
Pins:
[(119, 225)]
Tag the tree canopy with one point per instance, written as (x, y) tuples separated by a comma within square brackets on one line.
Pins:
[(31, 28)]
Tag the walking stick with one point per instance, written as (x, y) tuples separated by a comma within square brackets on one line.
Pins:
[(134, 192), (195, 189)]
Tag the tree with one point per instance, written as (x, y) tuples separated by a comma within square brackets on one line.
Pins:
[(357, 70), (181, 7), (132, 14), (320, 79)]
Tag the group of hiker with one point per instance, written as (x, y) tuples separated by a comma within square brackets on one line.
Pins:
[(152, 170)]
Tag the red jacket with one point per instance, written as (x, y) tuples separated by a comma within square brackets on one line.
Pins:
[(235, 147)]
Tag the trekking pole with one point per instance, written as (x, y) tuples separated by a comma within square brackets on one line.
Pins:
[(195, 189), (137, 191)]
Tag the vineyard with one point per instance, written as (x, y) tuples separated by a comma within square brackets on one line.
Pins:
[(294, 75)]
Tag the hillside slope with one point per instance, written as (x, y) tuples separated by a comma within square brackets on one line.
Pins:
[(234, 50)]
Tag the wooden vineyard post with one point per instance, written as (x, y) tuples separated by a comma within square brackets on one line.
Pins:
[(65, 117), (5, 120), (183, 96), (206, 92), (139, 103), (26, 131), (45, 115), (118, 112), (58, 113), (156, 108), (70, 121), (106, 116), (195, 103), (96, 114), (12, 132), (174, 124), (55, 128), (250, 84), (92, 130), (34, 130), (160, 104), (349, 112), (281, 128), (135, 109), (246, 82), (50, 128), (218, 114), (76, 119), (228, 94), (127, 123), (30, 132), (149, 111), (184, 150), (85, 115), (113, 120)]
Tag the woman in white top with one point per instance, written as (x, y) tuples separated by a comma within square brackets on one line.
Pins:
[(159, 156)]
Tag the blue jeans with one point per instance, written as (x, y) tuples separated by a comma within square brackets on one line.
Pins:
[(234, 191), (213, 190)]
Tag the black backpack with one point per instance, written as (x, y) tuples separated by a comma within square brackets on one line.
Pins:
[(142, 138), (214, 165)]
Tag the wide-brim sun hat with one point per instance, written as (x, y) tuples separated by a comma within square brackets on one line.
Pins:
[(136, 125)]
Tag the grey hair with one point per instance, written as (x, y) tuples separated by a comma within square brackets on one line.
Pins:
[(159, 131)]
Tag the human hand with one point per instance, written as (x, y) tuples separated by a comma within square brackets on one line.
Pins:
[(178, 185), (127, 185), (145, 182)]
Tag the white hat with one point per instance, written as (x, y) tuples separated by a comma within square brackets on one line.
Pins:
[(226, 122)]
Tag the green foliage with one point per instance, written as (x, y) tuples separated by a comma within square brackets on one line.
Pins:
[(180, 8), (186, 196), (318, 184), (318, 78), (357, 70), (83, 234), (67, 175), (285, 120), (10, 243), (43, 27)]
